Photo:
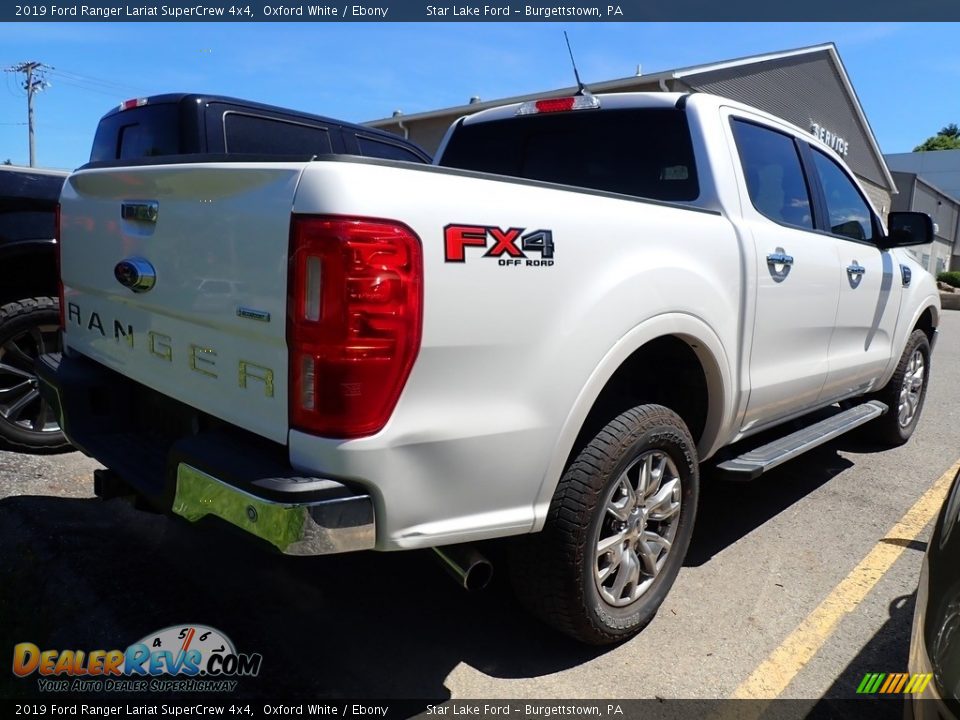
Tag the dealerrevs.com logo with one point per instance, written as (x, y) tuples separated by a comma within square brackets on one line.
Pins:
[(185, 658)]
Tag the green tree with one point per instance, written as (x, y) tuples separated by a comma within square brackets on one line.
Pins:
[(8, 161), (947, 139)]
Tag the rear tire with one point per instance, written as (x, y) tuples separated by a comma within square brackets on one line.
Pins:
[(28, 328), (617, 530), (904, 394)]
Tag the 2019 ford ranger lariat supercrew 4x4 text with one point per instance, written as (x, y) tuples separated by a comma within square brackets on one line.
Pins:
[(542, 335)]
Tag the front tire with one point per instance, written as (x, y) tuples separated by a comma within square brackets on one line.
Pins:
[(617, 530), (905, 393)]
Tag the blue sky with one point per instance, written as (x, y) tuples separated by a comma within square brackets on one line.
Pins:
[(906, 75)]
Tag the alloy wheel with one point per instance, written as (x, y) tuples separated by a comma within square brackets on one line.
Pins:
[(911, 390), (636, 532)]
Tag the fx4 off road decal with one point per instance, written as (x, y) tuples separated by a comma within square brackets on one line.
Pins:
[(510, 247)]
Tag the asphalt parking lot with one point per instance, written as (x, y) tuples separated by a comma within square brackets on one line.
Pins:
[(767, 556)]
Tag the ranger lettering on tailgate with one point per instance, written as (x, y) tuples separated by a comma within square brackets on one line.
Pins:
[(199, 358)]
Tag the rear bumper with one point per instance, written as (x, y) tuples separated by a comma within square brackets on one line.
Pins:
[(182, 461), (306, 528)]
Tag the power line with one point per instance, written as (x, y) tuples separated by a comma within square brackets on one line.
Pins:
[(9, 89), (88, 88), (70, 76), (35, 80)]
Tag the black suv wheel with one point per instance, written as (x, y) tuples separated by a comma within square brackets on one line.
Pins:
[(28, 329)]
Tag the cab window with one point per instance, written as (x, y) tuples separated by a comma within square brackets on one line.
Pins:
[(849, 214), (256, 134), (775, 180)]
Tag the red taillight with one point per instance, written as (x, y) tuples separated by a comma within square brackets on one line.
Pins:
[(354, 315), (56, 235)]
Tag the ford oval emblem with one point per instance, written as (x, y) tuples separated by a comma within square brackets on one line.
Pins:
[(135, 273)]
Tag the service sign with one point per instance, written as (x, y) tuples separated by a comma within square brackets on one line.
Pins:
[(837, 142)]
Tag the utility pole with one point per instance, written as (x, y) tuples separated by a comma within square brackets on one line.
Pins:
[(34, 82)]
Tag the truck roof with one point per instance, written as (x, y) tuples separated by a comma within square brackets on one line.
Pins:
[(204, 98)]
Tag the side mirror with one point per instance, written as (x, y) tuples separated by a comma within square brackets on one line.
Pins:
[(906, 229)]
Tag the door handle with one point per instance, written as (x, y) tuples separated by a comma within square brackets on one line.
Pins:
[(779, 258), (146, 211), (856, 269)]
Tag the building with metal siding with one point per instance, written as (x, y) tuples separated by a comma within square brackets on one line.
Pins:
[(939, 167), (808, 87), (918, 194)]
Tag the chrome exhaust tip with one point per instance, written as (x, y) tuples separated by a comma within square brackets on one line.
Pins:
[(464, 563)]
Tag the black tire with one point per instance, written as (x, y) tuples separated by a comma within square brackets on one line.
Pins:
[(556, 573), (890, 430), (28, 328)]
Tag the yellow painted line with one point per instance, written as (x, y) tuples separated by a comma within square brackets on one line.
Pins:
[(773, 675)]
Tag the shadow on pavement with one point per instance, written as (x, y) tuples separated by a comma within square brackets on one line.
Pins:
[(887, 651), (88, 574), (729, 509)]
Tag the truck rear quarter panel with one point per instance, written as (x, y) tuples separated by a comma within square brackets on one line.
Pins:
[(514, 354)]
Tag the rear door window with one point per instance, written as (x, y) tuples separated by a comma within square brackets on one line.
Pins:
[(774, 174), (259, 135)]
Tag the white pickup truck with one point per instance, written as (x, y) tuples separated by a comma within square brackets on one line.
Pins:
[(543, 335)]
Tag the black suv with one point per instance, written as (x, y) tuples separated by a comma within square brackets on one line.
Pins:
[(29, 309), (189, 124)]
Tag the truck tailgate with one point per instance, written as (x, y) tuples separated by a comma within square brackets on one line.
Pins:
[(211, 330)]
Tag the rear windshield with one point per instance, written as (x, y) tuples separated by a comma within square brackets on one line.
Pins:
[(147, 131), (641, 152)]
